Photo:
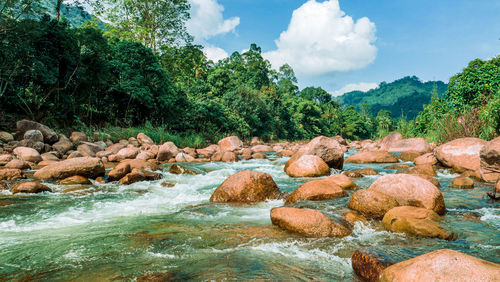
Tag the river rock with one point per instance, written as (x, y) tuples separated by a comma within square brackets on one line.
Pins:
[(31, 187), (410, 190), (177, 169), (78, 137), (19, 164), (183, 158), (354, 217), (127, 153), (461, 154), (442, 265), (6, 137), (307, 166), (343, 181), (413, 221), (368, 263), (50, 156), (418, 145), (229, 156), (88, 149), (63, 145), (262, 149), (115, 148), (144, 140), (426, 159), (429, 178), (5, 159), (409, 156), (462, 183), (328, 149), (490, 161), (372, 157), (258, 156), (387, 142), (74, 154), (33, 135), (363, 171), (145, 155), (246, 187), (231, 143), (398, 166), (75, 180), (167, 151), (316, 190), (10, 174), (307, 222), (27, 154), (38, 146), (85, 166), (49, 135), (371, 203)]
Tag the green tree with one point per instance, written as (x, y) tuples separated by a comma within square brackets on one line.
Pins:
[(153, 22)]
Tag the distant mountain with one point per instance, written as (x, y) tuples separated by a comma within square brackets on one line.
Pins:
[(405, 96), (76, 16)]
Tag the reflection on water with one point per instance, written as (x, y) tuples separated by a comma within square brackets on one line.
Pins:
[(107, 232)]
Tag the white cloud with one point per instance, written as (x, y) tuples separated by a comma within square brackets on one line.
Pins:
[(321, 39), (215, 53), (207, 20), (362, 86)]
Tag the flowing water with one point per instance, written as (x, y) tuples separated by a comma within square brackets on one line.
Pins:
[(114, 232)]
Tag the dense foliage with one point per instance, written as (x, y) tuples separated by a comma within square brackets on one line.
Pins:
[(404, 96), (94, 78), (470, 107)]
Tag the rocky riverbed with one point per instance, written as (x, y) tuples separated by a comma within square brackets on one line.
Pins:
[(199, 218)]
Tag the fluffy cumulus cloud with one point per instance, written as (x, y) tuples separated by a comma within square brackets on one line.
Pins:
[(208, 21), (363, 86), (321, 39)]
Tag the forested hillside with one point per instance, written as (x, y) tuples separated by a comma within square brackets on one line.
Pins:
[(405, 96)]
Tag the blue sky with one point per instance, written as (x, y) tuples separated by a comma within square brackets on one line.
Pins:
[(359, 43)]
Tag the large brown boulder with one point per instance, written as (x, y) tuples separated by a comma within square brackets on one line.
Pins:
[(88, 149), (372, 157), (5, 159), (343, 181), (372, 204), (144, 140), (167, 151), (75, 180), (328, 149), (127, 153), (63, 145), (368, 263), (261, 149), (461, 154), (442, 265), (78, 137), (412, 221), (115, 148), (10, 174), (388, 141), (231, 143), (49, 135), (229, 156), (84, 166), (15, 163), (307, 166), (316, 190), (426, 159), (409, 156), (307, 222), (462, 183), (410, 190), (490, 161), (362, 172), (419, 145), (27, 154), (30, 187), (246, 187)]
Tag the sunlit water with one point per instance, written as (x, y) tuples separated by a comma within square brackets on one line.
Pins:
[(113, 232)]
